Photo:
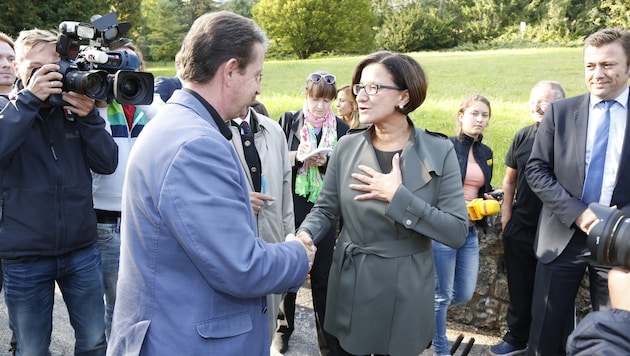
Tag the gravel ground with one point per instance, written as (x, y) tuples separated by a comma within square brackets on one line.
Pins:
[(303, 341)]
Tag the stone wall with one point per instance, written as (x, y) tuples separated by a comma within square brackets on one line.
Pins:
[(488, 307)]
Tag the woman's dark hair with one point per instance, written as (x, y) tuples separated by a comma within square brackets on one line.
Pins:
[(406, 73)]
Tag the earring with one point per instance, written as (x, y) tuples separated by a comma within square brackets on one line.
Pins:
[(401, 106)]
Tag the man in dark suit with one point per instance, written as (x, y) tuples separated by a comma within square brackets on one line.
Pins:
[(561, 171), (165, 86)]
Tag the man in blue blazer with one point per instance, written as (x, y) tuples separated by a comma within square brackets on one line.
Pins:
[(193, 272), (558, 168)]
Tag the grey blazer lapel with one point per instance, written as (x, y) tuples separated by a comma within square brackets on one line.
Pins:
[(580, 116)]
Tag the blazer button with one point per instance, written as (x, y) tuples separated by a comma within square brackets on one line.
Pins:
[(264, 311), (408, 222)]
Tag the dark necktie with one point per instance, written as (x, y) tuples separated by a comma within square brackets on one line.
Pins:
[(595, 174), (251, 155)]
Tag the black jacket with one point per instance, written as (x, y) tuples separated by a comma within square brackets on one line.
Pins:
[(46, 155), (483, 156), (481, 153)]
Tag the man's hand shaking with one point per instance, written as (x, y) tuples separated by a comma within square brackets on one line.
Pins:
[(308, 244)]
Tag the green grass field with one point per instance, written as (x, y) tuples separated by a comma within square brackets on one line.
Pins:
[(505, 77)]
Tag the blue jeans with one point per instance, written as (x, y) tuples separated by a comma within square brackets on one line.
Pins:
[(109, 245), (455, 281), (29, 292)]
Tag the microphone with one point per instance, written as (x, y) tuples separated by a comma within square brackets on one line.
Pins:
[(478, 208), (95, 56)]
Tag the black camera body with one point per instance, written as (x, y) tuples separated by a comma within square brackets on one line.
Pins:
[(609, 240), (98, 73), (82, 80)]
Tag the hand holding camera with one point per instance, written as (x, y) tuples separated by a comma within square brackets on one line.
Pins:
[(609, 236), (618, 286), (78, 103), (45, 81)]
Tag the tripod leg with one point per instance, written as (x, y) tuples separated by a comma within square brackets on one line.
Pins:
[(458, 341), (469, 346)]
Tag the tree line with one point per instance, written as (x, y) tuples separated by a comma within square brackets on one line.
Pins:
[(305, 28)]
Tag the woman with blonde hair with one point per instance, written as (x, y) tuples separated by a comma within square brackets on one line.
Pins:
[(347, 108)]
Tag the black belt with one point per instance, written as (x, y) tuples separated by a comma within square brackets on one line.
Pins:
[(107, 216)]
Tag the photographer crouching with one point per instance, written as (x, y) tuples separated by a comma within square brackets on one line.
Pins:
[(607, 332), (47, 222)]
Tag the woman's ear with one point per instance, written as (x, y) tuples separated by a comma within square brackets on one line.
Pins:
[(404, 98)]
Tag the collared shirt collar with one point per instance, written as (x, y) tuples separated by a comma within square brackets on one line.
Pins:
[(222, 125), (621, 99)]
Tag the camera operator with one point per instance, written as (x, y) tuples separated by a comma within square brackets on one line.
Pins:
[(48, 226), (606, 332), (124, 122)]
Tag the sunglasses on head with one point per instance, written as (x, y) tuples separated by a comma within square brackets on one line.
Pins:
[(328, 78)]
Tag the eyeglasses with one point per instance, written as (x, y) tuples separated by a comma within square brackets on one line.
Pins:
[(541, 106), (328, 78), (371, 89)]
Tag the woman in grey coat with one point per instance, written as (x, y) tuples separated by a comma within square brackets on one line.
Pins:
[(396, 188)]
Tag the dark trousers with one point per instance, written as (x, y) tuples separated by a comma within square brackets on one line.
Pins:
[(520, 265), (555, 288), (319, 288)]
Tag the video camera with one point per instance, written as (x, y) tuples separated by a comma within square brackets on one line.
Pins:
[(86, 69), (609, 240)]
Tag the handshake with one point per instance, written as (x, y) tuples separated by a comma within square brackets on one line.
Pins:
[(480, 207), (307, 242)]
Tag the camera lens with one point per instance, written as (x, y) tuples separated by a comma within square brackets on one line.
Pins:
[(133, 88), (609, 239), (130, 87), (90, 83)]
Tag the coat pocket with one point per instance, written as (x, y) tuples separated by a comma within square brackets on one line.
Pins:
[(228, 326)]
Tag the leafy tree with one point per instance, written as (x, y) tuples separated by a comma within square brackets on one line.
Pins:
[(164, 30), (306, 27), (128, 11), (165, 23), (18, 15), (241, 7), (618, 12), (416, 27)]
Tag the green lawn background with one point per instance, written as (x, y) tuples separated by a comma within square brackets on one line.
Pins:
[(505, 77)]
